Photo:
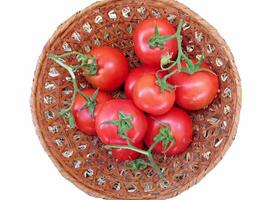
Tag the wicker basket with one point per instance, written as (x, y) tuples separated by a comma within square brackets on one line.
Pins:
[(82, 159)]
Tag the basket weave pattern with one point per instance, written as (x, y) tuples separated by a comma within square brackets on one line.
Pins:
[(82, 159)]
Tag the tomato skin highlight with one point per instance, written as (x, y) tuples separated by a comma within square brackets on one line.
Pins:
[(126, 154), (195, 91), (133, 76), (108, 133), (112, 68), (144, 31), (148, 97), (83, 119), (181, 128)]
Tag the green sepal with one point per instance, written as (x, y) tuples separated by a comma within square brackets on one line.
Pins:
[(62, 112), (90, 102), (124, 124), (91, 68), (137, 165), (164, 85), (166, 137), (165, 60)]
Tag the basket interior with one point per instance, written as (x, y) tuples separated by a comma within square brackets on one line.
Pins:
[(82, 157)]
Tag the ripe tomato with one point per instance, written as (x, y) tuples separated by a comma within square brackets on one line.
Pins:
[(126, 154), (83, 119), (181, 129), (134, 75), (144, 31), (147, 96), (108, 132), (197, 90), (112, 68)]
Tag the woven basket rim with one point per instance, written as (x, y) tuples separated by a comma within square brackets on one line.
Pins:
[(60, 30)]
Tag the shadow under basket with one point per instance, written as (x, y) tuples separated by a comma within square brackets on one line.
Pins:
[(82, 159)]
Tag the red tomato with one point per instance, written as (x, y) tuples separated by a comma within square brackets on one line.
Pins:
[(195, 91), (108, 132), (83, 119), (181, 129), (134, 75), (112, 68), (148, 97), (125, 154), (144, 31)]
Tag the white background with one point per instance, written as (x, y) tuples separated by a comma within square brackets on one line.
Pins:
[(26, 172)]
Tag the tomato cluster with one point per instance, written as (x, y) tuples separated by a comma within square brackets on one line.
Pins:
[(151, 117)]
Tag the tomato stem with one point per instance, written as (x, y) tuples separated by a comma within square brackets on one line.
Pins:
[(164, 136), (90, 102), (190, 66), (147, 153), (129, 147), (166, 59), (88, 63), (162, 82), (154, 165), (72, 53), (179, 41)]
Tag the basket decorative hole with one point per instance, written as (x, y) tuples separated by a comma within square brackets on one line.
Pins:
[(82, 159)]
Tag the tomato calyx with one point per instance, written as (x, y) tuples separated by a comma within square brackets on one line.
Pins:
[(124, 124), (192, 68), (90, 102), (166, 61), (165, 136), (163, 84), (137, 165), (158, 41)]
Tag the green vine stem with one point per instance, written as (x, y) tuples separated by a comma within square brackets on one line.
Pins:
[(165, 136), (166, 59), (147, 153), (88, 63), (90, 101), (162, 82)]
